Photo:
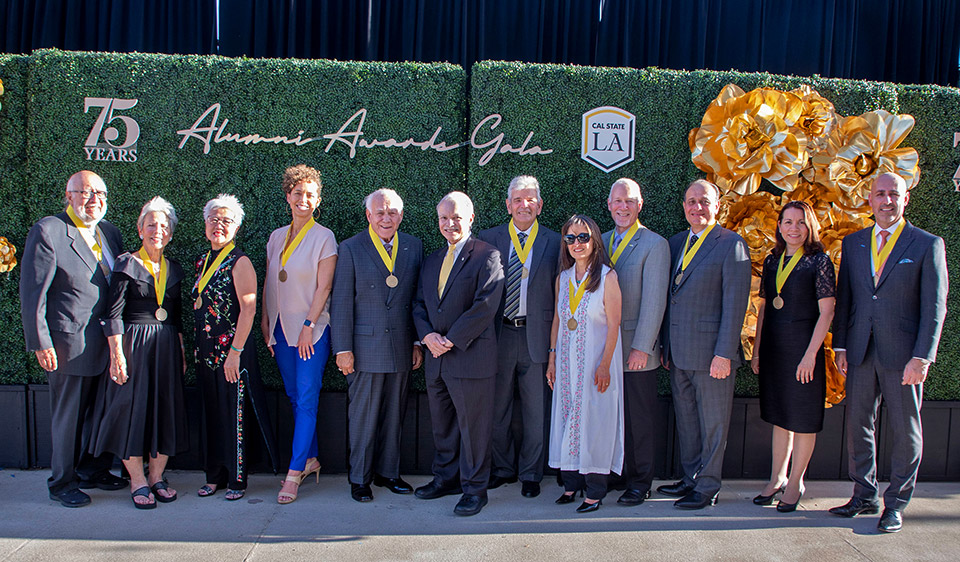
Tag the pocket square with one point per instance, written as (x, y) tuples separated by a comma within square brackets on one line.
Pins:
[(905, 260)]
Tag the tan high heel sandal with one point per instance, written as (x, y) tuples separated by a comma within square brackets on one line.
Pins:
[(284, 498)]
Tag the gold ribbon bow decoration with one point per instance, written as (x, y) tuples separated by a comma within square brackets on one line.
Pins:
[(8, 255), (746, 137)]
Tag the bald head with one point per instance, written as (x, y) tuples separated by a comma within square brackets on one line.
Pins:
[(86, 193), (888, 199)]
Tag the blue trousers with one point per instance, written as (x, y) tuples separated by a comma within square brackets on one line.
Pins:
[(302, 380)]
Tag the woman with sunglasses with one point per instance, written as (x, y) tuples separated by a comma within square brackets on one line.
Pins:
[(586, 428), (224, 300)]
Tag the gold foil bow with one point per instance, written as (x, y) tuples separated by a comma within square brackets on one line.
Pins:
[(8, 255)]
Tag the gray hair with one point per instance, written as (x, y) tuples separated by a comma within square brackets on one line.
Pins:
[(224, 201), (158, 205), (461, 200), (630, 186), (523, 182), (388, 195)]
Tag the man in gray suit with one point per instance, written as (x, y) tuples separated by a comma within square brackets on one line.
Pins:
[(529, 256), (64, 285), (456, 306), (641, 259), (373, 338), (891, 302), (701, 341)]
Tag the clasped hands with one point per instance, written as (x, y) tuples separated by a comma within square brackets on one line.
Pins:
[(437, 344)]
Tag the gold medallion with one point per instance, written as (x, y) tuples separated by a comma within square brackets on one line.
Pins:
[(525, 273), (678, 278), (198, 303), (282, 275), (778, 302), (392, 281), (161, 314), (572, 324)]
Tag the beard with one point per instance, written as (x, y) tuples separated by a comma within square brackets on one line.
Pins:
[(88, 219)]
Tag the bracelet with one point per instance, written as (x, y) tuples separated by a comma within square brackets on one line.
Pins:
[(235, 349), (552, 350)]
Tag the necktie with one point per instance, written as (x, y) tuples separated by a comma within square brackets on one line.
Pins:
[(514, 274), (445, 269), (690, 242), (883, 242), (387, 247)]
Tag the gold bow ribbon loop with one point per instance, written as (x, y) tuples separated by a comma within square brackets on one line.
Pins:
[(746, 137)]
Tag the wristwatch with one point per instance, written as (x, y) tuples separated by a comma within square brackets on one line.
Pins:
[(309, 324)]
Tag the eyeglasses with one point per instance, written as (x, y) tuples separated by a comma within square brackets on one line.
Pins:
[(570, 239), (91, 193), (221, 221)]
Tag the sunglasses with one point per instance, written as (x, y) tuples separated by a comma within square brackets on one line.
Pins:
[(583, 238)]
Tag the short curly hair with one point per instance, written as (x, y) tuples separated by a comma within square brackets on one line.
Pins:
[(299, 174)]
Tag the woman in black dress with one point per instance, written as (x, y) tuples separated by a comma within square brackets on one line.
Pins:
[(224, 303), (142, 413), (799, 285)]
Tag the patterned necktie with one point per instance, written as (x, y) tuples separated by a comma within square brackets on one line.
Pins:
[(445, 269), (514, 274), (883, 242), (690, 242)]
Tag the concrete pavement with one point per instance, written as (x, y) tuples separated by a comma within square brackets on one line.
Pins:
[(325, 524)]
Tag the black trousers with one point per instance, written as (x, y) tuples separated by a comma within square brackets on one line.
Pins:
[(594, 484), (72, 401), (640, 415)]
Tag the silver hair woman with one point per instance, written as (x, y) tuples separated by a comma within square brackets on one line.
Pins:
[(143, 413), (224, 300)]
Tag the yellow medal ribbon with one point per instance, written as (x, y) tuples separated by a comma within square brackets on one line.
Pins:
[(689, 254), (627, 237), (98, 243), (880, 258), (390, 260), (524, 251), (576, 293), (296, 241), (207, 274), (782, 273), (159, 279)]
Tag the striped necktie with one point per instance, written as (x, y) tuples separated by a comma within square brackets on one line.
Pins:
[(514, 275)]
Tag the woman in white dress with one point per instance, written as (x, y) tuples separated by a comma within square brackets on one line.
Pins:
[(586, 428)]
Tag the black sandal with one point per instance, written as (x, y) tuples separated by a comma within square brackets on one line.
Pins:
[(161, 485), (142, 491), (206, 491), (234, 495)]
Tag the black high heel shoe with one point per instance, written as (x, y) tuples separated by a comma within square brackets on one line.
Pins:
[(767, 500), (567, 498), (589, 507), (783, 507)]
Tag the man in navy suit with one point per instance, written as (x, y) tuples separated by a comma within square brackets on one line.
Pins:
[(64, 285), (457, 301), (529, 255), (373, 338), (891, 302)]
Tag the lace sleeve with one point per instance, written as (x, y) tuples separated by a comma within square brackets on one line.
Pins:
[(826, 276)]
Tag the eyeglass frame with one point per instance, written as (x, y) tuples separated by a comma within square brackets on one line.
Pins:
[(571, 239), (90, 193)]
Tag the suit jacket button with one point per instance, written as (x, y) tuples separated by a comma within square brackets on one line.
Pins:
[(874, 297), (103, 323), (674, 301)]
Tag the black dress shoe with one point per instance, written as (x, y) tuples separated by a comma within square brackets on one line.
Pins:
[(677, 489), (856, 506), (588, 507), (104, 481), (470, 504), (633, 497), (361, 492), (891, 521), (71, 498), (530, 489), (437, 489), (395, 485), (565, 498), (497, 481), (761, 499), (695, 500)]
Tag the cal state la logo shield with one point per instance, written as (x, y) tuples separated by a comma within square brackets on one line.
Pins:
[(607, 137)]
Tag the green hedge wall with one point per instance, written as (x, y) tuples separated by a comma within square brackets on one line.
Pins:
[(550, 99), (43, 128)]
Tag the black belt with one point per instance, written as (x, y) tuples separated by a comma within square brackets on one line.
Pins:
[(518, 322)]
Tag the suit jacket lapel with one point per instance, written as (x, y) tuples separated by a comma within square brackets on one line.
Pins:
[(630, 246), (458, 265), (80, 246), (708, 245), (538, 250), (906, 238), (401, 268)]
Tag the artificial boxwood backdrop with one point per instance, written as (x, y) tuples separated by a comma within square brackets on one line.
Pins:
[(43, 128)]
